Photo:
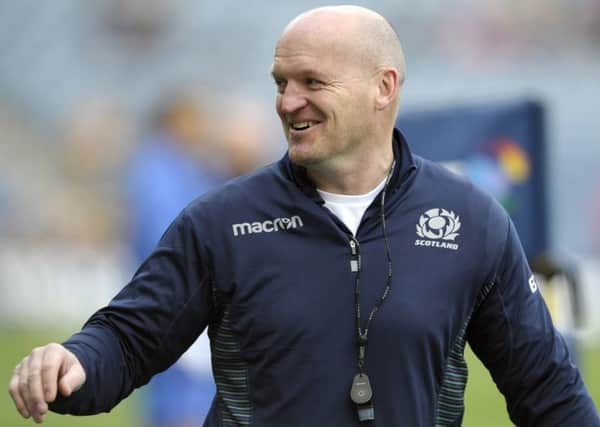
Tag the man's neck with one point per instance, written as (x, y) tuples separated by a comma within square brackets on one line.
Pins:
[(357, 177)]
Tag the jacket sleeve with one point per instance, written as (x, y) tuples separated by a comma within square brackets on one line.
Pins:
[(146, 327), (513, 335)]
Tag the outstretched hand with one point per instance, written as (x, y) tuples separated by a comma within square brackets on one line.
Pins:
[(42, 374)]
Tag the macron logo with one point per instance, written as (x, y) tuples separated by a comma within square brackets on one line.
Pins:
[(268, 226)]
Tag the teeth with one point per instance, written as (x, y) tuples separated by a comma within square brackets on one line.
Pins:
[(301, 125)]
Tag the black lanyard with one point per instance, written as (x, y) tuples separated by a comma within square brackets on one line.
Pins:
[(361, 392)]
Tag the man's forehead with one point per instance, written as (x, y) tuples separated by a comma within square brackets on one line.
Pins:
[(312, 46), (318, 42), (320, 61), (292, 43)]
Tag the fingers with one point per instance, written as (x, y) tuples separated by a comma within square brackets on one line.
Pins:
[(32, 387), (16, 395), (36, 379), (50, 368)]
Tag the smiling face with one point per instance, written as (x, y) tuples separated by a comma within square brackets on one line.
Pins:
[(325, 96)]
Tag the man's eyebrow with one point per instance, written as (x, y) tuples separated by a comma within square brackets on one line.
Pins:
[(302, 73)]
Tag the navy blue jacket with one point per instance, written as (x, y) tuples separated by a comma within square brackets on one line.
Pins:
[(268, 269)]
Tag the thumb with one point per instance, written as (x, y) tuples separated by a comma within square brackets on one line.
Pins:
[(72, 380)]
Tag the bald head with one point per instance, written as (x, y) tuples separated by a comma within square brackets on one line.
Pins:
[(338, 72), (362, 33)]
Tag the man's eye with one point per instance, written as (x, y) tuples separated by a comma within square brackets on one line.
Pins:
[(314, 82), (280, 85)]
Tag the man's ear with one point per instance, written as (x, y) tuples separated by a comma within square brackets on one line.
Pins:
[(387, 88)]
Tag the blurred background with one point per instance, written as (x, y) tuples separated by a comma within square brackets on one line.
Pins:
[(115, 114)]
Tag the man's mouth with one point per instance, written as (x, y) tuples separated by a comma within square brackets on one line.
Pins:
[(300, 126)]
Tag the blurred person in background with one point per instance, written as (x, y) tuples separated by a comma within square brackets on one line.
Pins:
[(175, 162), (185, 153), (279, 263)]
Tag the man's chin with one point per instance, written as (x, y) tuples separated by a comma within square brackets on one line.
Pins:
[(302, 158)]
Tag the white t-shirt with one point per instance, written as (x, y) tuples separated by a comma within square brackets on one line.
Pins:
[(350, 208)]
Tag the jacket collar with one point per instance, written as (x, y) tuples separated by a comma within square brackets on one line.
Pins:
[(405, 165)]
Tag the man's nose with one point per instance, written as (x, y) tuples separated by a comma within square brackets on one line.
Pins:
[(291, 100)]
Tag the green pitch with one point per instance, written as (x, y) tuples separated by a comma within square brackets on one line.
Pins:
[(484, 404)]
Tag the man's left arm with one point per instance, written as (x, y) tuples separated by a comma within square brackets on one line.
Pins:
[(513, 335)]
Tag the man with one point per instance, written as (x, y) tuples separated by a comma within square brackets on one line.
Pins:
[(323, 306)]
